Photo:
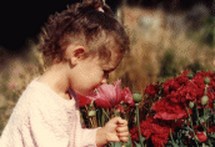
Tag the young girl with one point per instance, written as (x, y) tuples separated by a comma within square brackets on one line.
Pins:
[(81, 46)]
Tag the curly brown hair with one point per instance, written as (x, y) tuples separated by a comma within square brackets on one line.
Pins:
[(83, 22)]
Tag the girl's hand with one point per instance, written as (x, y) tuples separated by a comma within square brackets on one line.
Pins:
[(115, 130)]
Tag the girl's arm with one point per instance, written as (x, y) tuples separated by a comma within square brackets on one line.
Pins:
[(50, 125)]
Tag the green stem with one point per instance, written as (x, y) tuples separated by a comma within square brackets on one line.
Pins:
[(197, 115), (138, 124), (191, 124), (173, 141), (103, 111), (205, 126), (116, 113)]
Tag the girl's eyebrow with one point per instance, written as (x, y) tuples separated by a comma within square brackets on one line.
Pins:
[(109, 67)]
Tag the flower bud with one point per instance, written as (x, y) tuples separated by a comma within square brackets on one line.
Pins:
[(201, 120), (91, 105), (191, 104), (204, 100), (91, 113), (190, 75), (207, 80), (137, 97)]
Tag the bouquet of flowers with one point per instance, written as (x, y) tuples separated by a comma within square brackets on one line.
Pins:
[(177, 112), (182, 112)]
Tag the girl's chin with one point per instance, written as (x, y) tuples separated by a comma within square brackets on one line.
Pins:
[(87, 93)]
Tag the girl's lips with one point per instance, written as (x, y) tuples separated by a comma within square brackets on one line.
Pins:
[(93, 93), (95, 89)]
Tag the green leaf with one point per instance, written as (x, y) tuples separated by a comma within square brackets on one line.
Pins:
[(129, 143), (116, 144), (212, 136), (137, 144)]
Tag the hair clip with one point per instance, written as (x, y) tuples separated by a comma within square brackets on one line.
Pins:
[(100, 9)]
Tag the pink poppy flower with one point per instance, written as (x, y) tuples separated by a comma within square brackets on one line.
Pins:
[(110, 95)]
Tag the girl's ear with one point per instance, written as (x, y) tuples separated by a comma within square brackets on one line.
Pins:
[(79, 52), (74, 53)]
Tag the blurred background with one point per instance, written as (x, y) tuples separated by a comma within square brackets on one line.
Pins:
[(167, 37)]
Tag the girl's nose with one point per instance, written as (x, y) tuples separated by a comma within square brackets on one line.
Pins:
[(104, 81)]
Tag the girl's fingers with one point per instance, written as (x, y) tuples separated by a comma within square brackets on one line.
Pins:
[(124, 139), (123, 134), (122, 129), (122, 122)]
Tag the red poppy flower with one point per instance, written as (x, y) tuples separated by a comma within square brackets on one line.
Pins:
[(151, 90), (211, 129), (134, 134), (168, 111), (159, 134), (83, 100), (201, 136)]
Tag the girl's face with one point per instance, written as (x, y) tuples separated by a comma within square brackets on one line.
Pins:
[(91, 72)]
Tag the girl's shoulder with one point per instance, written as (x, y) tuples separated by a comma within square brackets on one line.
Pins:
[(42, 93), (34, 93)]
